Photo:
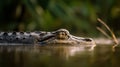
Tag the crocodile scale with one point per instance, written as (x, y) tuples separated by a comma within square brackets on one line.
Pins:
[(61, 36)]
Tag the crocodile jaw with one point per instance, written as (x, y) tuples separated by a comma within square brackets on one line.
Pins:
[(72, 41)]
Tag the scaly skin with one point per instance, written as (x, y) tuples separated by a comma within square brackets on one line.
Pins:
[(61, 36)]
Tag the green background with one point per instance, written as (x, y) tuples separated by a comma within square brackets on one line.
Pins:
[(78, 16)]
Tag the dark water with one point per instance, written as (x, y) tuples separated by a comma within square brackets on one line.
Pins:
[(62, 56)]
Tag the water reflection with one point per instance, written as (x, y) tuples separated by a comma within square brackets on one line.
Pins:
[(59, 56)]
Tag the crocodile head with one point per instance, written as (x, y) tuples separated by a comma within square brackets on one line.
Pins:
[(62, 36)]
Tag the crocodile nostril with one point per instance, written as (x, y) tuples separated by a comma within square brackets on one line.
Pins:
[(87, 40)]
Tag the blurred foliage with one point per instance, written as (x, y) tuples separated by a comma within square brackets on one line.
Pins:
[(78, 16)]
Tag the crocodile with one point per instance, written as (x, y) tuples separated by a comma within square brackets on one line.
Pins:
[(60, 36)]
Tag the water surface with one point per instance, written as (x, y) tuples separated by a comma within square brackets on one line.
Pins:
[(59, 56)]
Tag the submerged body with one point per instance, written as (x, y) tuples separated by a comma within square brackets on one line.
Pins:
[(61, 36)]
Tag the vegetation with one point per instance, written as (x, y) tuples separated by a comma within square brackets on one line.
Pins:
[(78, 16)]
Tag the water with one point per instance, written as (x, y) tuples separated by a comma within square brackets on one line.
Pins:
[(62, 56)]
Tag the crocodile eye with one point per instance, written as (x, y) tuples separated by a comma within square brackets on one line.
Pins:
[(65, 33), (62, 35)]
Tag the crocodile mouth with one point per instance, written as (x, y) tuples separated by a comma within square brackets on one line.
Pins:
[(70, 42)]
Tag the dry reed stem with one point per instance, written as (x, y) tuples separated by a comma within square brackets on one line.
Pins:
[(113, 36), (102, 31)]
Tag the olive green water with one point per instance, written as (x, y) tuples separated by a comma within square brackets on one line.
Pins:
[(62, 56)]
